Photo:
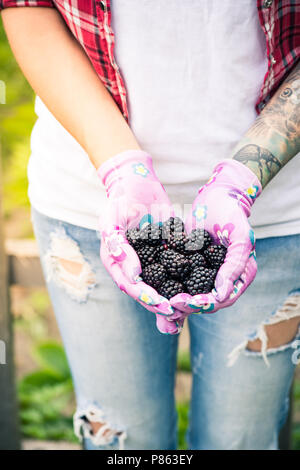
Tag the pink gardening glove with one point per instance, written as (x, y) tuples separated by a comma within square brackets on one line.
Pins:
[(222, 207), (135, 197)]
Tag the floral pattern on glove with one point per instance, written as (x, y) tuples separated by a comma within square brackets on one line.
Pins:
[(114, 242), (140, 169), (222, 234), (252, 191), (200, 212)]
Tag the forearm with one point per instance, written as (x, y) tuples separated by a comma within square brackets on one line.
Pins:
[(60, 72), (274, 138)]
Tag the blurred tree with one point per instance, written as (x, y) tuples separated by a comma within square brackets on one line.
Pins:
[(17, 115), (16, 121)]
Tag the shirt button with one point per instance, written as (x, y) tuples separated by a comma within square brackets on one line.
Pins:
[(267, 3), (103, 6)]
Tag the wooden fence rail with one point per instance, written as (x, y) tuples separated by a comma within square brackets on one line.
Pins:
[(20, 264)]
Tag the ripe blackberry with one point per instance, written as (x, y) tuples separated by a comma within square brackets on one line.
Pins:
[(151, 234), (147, 254), (134, 238), (170, 288), (173, 225), (154, 275), (177, 242), (198, 239), (201, 280), (197, 260), (162, 247), (175, 263), (215, 254)]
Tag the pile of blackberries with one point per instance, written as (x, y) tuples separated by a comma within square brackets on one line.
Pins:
[(174, 262)]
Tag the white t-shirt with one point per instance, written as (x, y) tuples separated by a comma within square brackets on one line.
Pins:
[(193, 71)]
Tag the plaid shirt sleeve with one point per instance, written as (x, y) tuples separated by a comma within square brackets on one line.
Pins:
[(280, 21), (25, 3), (90, 23)]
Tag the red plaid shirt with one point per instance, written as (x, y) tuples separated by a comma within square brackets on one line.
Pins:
[(90, 23)]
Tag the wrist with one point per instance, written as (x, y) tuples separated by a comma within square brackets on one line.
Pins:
[(239, 177), (134, 160)]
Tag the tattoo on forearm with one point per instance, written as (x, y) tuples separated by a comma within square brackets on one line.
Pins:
[(282, 114), (259, 158), (274, 138)]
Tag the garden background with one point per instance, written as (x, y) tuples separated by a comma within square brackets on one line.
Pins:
[(45, 391)]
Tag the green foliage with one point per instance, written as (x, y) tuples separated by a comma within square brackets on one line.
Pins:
[(45, 394), (51, 357), (15, 180), (296, 437), (17, 115), (182, 411), (16, 121), (297, 390)]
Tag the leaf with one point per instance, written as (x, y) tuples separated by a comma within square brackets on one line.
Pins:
[(51, 356), (31, 415), (39, 379), (41, 395)]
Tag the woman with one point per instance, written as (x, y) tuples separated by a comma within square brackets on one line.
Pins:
[(124, 84)]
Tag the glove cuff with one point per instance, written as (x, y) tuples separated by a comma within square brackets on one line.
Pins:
[(239, 178), (123, 161)]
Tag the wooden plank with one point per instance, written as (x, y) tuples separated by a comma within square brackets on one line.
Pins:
[(9, 428)]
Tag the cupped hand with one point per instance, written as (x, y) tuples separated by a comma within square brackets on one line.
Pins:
[(135, 197), (222, 207)]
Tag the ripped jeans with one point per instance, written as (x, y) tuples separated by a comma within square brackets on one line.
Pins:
[(124, 369)]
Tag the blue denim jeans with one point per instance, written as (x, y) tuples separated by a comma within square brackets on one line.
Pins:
[(124, 369)]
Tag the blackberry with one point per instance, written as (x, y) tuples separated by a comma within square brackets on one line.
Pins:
[(184, 272), (147, 254), (161, 248), (173, 226), (201, 280), (177, 242), (154, 275), (197, 240), (151, 234), (197, 260), (215, 254), (170, 288), (175, 263), (134, 238)]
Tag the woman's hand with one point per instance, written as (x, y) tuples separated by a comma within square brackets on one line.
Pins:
[(222, 207), (135, 196)]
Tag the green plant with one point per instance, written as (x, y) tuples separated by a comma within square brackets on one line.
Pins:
[(45, 394), (184, 361), (182, 411)]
